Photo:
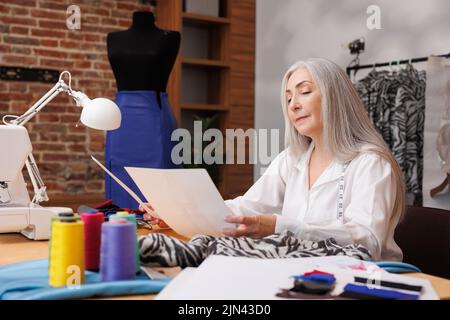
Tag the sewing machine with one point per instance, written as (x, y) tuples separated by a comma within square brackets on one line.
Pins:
[(17, 212)]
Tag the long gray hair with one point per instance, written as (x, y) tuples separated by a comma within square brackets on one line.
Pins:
[(346, 125)]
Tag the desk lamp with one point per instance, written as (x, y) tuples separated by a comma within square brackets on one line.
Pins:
[(17, 212)]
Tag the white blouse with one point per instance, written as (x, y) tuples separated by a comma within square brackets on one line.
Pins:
[(368, 201)]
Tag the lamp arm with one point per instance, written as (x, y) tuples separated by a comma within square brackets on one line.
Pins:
[(59, 87), (40, 190)]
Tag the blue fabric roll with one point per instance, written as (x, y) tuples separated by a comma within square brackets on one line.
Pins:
[(29, 281), (143, 140)]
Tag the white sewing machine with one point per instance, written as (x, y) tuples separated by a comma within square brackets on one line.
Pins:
[(17, 212)]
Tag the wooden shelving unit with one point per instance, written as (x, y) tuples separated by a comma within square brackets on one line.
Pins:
[(214, 73)]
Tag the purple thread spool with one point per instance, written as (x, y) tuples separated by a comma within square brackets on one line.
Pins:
[(117, 254)]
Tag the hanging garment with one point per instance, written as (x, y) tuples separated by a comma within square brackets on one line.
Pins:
[(411, 98), (437, 114), (395, 102), (378, 95), (156, 249), (398, 132), (143, 140)]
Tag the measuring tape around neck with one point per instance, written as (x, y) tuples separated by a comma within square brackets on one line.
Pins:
[(340, 209)]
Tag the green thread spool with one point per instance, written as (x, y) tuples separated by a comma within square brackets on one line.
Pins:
[(132, 218)]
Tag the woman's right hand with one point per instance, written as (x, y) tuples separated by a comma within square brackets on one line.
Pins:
[(147, 216)]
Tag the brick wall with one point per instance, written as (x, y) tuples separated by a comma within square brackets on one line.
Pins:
[(34, 34)]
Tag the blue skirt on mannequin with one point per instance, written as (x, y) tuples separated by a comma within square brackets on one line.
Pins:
[(143, 140)]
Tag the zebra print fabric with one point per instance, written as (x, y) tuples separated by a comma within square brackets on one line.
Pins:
[(396, 105), (156, 249)]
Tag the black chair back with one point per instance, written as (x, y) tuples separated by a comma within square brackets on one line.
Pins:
[(424, 237)]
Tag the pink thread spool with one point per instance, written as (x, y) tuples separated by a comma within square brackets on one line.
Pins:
[(92, 237)]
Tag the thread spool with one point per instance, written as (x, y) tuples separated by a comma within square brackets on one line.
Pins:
[(60, 217), (67, 252), (65, 216), (117, 259), (131, 218), (92, 236)]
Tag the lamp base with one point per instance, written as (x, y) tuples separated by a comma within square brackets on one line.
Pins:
[(32, 221)]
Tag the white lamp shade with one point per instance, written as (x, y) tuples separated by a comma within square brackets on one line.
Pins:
[(100, 114)]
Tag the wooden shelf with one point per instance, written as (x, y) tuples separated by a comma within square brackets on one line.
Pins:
[(203, 106), (201, 20), (204, 62)]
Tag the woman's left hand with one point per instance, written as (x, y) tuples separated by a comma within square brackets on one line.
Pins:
[(256, 226)]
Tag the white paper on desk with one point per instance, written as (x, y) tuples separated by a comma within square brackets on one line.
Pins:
[(176, 284), (237, 278), (186, 199)]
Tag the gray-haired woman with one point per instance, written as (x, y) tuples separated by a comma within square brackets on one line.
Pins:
[(336, 178)]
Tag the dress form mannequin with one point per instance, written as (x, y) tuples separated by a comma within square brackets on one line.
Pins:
[(141, 58)]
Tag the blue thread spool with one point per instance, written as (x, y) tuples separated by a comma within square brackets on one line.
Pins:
[(117, 255), (132, 218)]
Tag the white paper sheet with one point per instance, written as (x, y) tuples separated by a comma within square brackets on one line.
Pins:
[(186, 199), (178, 283), (238, 278)]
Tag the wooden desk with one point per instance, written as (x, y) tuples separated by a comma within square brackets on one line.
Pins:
[(17, 248)]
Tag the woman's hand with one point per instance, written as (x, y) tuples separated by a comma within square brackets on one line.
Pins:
[(146, 214), (256, 226)]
